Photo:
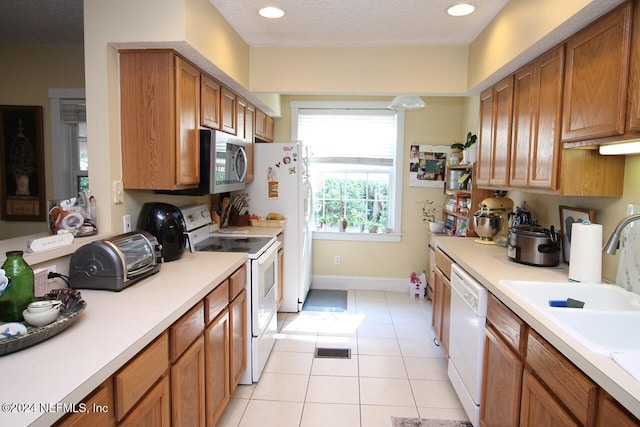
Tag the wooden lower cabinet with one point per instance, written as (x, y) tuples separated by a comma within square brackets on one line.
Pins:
[(502, 373), (187, 387), (238, 334), (610, 413), (154, 410), (216, 361), (99, 405), (540, 407)]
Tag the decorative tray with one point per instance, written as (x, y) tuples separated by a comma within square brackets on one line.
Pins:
[(72, 306)]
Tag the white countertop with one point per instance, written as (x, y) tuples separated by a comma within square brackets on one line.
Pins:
[(489, 264), (112, 329)]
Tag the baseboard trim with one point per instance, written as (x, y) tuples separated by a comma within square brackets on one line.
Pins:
[(345, 283)]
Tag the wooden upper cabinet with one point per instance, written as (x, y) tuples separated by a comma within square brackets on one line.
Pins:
[(264, 126), (596, 78), (535, 150), (228, 111), (160, 118), (633, 109), (241, 109), (209, 102), (249, 131), (496, 112)]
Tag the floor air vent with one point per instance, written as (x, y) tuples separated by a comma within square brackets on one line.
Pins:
[(333, 353)]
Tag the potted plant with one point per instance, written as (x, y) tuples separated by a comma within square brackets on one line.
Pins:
[(430, 211), (468, 149), (358, 219)]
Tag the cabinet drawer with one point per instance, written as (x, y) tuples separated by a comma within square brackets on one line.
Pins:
[(216, 301), (577, 392), (137, 377), (102, 397), (185, 330), (443, 262), (237, 282), (510, 326)]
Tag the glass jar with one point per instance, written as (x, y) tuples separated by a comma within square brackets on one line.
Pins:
[(19, 292)]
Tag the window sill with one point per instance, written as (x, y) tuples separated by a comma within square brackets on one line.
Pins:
[(357, 236)]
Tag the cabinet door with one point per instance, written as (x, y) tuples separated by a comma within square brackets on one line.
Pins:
[(496, 112), (634, 74), (596, 78), (209, 102), (238, 324), (217, 367), (228, 111), (486, 136), (446, 314), (154, 409), (502, 383), (261, 124), (241, 109), (187, 387), (249, 137), (536, 122), (441, 309), (501, 144), (188, 123), (610, 413), (540, 408)]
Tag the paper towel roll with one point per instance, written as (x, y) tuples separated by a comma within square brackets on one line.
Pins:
[(585, 260)]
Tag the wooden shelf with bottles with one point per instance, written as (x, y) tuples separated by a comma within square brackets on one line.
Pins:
[(462, 199)]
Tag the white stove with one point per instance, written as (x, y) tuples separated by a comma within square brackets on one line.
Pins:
[(203, 234)]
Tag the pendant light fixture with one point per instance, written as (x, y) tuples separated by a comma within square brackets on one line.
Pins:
[(406, 102)]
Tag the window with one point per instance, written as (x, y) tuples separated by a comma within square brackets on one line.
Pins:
[(70, 150), (355, 164)]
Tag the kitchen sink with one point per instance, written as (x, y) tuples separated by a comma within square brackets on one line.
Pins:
[(600, 297), (607, 323), (602, 332)]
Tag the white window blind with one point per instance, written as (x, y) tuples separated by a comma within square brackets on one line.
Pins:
[(349, 135)]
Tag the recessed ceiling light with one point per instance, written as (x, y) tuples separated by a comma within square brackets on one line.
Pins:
[(461, 9), (271, 12)]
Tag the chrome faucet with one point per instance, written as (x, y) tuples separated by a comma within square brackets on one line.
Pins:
[(612, 244)]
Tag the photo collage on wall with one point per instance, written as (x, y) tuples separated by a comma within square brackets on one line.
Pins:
[(427, 165)]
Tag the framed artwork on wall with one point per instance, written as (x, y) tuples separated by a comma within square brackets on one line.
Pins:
[(22, 163), (568, 216)]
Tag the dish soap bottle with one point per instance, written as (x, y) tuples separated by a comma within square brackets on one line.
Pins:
[(18, 293)]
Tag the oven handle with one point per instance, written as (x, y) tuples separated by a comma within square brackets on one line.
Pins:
[(267, 255)]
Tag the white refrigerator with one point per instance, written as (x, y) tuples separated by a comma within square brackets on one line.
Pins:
[(281, 184)]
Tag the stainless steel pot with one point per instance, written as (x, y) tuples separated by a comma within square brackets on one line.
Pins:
[(487, 224), (535, 246)]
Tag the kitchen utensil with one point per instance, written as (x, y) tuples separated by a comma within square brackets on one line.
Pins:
[(41, 318), (487, 225), (43, 305)]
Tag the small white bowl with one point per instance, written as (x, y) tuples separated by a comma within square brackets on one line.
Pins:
[(41, 318), (43, 305)]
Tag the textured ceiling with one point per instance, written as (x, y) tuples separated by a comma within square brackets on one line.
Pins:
[(357, 22), (37, 22), (306, 23)]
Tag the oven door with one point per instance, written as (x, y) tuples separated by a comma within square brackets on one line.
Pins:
[(264, 288)]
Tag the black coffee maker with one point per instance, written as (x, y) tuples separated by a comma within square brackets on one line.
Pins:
[(166, 223)]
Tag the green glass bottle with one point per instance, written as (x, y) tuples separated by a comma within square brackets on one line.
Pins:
[(19, 293)]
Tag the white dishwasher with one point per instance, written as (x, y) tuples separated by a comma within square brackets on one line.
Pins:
[(466, 340)]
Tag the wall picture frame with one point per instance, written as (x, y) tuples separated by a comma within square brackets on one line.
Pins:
[(22, 185), (568, 216)]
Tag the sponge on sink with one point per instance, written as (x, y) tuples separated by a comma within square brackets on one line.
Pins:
[(569, 302)]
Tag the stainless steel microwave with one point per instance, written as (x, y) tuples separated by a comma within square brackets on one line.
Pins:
[(223, 165)]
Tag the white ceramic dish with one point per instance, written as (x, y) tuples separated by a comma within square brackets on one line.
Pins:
[(41, 318), (13, 329), (43, 305)]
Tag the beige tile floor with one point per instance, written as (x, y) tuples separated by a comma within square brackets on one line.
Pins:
[(394, 370)]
